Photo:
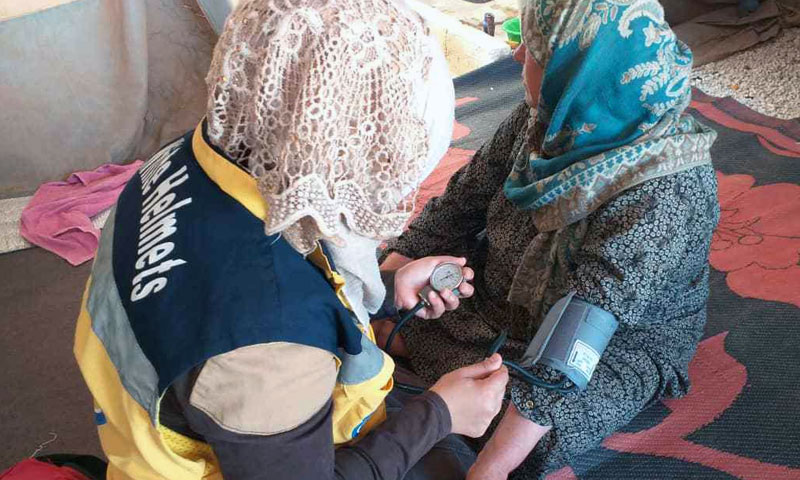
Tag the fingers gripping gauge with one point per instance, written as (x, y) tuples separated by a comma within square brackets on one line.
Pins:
[(446, 276)]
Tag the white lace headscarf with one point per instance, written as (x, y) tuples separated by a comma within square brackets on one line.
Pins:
[(324, 102), (339, 109)]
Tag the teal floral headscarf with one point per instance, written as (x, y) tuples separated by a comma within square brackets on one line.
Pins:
[(611, 107)]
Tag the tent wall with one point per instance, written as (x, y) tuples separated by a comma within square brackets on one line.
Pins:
[(86, 82)]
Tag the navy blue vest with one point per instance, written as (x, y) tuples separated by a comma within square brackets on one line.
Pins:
[(198, 277)]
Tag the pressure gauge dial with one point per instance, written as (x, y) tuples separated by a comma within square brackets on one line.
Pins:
[(446, 276)]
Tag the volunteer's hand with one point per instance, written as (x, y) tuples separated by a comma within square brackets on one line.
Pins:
[(414, 276), (474, 395)]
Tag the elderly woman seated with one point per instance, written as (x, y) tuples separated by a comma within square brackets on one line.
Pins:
[(600, 185)]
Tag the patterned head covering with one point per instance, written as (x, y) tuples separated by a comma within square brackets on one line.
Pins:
[(336, 107), (611, 106)]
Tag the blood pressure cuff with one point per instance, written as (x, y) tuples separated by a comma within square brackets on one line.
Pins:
[(572, 338)]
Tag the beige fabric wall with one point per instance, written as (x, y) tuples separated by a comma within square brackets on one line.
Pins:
[(714, 29), (86, 82)]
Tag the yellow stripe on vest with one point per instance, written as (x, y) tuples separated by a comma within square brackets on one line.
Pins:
[(230, 178), (135, 448), (190, 449)]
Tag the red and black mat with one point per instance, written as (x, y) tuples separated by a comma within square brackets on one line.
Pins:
[(740, 419)]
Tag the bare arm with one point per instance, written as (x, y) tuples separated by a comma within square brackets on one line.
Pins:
[(510, 444), (395, 262)]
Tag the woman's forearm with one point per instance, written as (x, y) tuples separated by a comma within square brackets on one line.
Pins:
[(394, 262), (510, 444)]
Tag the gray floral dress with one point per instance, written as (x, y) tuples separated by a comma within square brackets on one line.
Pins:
[(643, 256)]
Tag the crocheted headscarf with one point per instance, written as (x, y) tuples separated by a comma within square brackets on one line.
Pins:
[(332, 106)]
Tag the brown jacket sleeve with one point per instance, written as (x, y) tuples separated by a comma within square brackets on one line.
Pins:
[(306, 451)]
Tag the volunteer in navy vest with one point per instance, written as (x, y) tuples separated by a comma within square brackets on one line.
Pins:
[(224, 331)]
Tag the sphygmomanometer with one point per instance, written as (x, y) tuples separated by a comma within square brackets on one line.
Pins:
[(571, 339)]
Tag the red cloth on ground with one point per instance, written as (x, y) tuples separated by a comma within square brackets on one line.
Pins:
[(32, 469)]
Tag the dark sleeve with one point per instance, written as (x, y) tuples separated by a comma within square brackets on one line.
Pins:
[(644, 259), (307, 452), (390, 450), (449, 221)]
